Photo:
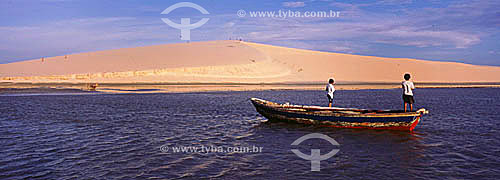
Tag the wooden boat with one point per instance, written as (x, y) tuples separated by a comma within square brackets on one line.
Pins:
[(339, 117), (92, 87)]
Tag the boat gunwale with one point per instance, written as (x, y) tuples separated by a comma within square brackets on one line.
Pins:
[(329, 111)]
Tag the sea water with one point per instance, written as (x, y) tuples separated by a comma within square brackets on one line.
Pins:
[(220, 135)]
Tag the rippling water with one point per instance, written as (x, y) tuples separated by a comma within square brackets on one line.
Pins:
[(113, 136)]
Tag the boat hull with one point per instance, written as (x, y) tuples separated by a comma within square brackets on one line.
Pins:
[(294, 114)]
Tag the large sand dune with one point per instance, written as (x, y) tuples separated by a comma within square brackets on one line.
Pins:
[(235, 62)]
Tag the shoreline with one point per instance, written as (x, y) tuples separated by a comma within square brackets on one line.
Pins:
[(133, 88)]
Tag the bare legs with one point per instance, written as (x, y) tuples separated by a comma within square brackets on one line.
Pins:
[(329, 104), (411, 107)]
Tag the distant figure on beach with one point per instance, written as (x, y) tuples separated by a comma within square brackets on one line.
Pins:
[(330, 91), (407, 92)]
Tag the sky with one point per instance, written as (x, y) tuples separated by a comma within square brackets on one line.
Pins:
[(465, 31)]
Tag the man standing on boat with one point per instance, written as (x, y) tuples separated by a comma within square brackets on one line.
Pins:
[(407, 91), (330, 91)]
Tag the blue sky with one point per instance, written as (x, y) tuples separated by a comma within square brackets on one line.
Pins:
[(463, 31)]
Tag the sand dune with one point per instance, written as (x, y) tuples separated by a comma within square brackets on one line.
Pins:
[(235, 62)]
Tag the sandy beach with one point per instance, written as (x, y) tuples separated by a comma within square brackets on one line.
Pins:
[(235, 65)]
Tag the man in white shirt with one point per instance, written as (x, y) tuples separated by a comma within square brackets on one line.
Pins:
[(407, 92), (330, 91)]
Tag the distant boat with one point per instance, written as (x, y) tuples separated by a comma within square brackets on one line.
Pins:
[(92, 87), (339, 117)]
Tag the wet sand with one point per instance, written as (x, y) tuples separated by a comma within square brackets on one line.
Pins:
[(27, 88)]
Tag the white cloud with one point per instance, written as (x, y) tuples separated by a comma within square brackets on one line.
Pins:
[(229, 25), (395, 2), (294, 4), (420, 28), (370, 31), (493, 52), (80, 35)]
